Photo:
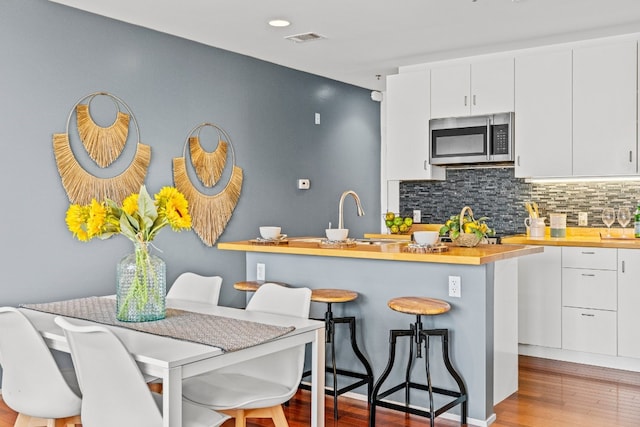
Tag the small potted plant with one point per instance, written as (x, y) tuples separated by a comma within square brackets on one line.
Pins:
[(465, 230)]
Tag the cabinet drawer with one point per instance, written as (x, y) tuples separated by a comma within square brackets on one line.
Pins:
[(593, 258), (589, 289), (591, 331)]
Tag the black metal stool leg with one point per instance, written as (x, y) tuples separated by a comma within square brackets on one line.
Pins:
[(393, 335), (462, 397), (359, 355), (332, 368), (456, 376), (331, 338), (429, 386)]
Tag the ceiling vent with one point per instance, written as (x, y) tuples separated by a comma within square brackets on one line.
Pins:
[(305, 37)]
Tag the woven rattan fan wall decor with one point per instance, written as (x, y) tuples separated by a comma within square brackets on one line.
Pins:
[(209, 213), (104, 145)]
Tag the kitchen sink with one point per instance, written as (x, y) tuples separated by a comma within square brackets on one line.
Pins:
[(378, 242)]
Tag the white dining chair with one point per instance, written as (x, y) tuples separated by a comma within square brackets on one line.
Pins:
[(194, 287), (32, 383), (257, 388), (114, 391)]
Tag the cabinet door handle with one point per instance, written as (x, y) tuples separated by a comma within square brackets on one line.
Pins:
[(465, 100), (474, 100), (425, 165), (518, 160), (630, 156), (588, 253), (623, 266), (588, 275), (587, 315)]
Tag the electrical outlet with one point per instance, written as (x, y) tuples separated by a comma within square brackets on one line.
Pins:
[(455, 286), (583, 219), (417, 216), (260, 273)]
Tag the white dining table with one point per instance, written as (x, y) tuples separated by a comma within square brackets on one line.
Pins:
[(174, 360)]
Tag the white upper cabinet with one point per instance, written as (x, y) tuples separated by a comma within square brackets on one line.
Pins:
[(605, 109), (407, 133), (543, 114), (482, 87)]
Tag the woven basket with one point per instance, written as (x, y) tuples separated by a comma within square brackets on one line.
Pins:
[(467, 240)]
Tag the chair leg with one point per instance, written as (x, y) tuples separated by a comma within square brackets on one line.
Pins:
[(276, 413), (279, 419), (238, 414), (22, 421), (71, 421)]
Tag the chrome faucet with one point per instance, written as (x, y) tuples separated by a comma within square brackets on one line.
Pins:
[(341, 206)]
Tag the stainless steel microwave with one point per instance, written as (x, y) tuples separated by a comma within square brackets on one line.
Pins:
[(469, 140)]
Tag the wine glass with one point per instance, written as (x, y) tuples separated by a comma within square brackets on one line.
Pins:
[(608, 217), (624, 216)]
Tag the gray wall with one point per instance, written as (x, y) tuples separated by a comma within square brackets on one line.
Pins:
[(53, 55)]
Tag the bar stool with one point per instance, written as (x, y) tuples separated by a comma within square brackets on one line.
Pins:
[(331, 296), (253, 285), (428, 307)]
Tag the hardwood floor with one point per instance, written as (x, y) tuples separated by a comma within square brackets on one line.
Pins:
[(552, 394)]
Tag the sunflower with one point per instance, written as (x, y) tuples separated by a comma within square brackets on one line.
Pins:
[(97, 218), (130, 204), (139, 218), (76, 220)]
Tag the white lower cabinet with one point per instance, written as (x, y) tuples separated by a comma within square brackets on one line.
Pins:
[(587, 288), (588, 330), (589, 300), (540, 298), (629, 302)]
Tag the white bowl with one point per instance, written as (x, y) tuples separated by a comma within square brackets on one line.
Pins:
[(425, 237), (337, 234), (269, 232)]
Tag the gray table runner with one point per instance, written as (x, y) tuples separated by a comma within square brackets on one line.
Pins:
[(223, 332)]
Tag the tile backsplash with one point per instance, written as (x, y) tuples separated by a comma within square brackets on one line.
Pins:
[(497, 194)]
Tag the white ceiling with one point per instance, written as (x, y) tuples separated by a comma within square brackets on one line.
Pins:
[(367, 38)]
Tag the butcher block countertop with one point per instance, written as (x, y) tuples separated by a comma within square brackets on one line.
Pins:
[(390, 250), (579, 236)]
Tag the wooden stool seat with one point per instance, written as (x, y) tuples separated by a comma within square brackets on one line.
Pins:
[(419, 305), (332, 295), (253, 285)]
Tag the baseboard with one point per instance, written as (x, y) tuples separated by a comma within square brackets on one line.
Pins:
[(604, 361), (446, 415)]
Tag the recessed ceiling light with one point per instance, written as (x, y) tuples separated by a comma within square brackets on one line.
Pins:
[(279, 23)]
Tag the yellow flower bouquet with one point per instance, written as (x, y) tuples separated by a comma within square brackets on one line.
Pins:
[(141, 276)]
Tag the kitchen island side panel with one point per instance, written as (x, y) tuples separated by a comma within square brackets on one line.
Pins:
[(470, 319)]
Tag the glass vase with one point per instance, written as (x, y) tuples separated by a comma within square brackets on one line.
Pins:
[(141, 292)]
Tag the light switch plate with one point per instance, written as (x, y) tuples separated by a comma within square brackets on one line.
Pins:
[(583, 220)]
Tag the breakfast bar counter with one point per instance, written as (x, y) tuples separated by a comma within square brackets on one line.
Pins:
[(385, 250), (482, 321)]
